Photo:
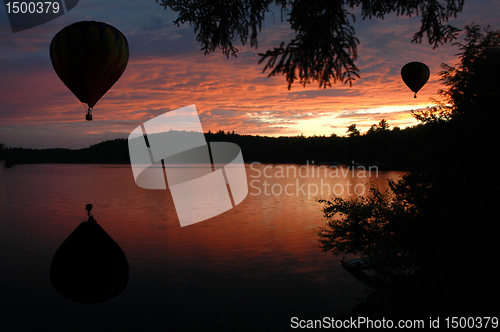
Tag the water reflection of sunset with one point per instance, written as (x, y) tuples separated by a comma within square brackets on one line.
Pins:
[(264, 248)]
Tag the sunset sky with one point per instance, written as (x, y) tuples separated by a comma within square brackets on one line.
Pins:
[(167, 70)]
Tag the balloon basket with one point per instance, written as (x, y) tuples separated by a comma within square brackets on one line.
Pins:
[(88, 116)]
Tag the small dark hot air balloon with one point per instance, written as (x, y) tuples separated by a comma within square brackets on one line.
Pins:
[(415, 75), (89, 57)]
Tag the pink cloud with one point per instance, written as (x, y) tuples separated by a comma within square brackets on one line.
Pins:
[(230, 94)]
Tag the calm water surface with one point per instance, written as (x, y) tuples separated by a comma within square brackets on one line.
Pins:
[(251, 268)]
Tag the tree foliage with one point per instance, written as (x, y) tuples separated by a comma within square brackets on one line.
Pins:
[(383, 126), (438, 113), (324, 49), (473, 83), (353, 131), (441, 223), (381, 225)]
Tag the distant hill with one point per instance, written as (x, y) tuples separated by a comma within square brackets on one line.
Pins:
[(108, 152)]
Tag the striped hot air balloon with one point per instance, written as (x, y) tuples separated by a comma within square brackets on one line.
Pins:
[(415, 75), (89, 57)]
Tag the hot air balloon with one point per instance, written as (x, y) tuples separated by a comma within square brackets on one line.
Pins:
[(89, 57), (415, 75)]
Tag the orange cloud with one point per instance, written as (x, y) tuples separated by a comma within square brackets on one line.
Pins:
[(230, 94)]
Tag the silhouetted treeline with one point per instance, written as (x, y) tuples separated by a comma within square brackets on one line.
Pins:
[(405, 149), (394, 149), (108, 152)]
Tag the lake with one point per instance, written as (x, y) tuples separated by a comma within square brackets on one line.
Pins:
[(251, 268)]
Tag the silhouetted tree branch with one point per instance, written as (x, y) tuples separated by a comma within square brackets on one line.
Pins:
[(324, 49)]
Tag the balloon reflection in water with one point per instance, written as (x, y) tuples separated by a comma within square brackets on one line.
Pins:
[(89, 266)]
